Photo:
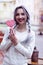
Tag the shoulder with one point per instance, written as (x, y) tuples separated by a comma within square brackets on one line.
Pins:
[(32, 33)]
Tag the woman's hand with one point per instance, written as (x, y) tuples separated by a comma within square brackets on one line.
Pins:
[(12, 37)]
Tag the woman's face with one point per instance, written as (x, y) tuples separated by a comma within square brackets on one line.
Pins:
[(21, 16)]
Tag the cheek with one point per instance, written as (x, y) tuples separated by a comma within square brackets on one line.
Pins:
[(16, 18), (25, 18), (17, 21)]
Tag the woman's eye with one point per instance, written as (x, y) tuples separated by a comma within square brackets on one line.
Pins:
[(20, 14), (23, 14), (17, 14)]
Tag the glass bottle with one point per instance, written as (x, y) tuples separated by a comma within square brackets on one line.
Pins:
[(35, 54)]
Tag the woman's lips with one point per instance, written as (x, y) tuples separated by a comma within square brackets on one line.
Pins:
[(21, 19)]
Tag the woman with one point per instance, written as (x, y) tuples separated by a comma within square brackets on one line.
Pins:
[(19, 41)]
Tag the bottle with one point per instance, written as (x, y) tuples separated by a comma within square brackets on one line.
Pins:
[(35, 54)]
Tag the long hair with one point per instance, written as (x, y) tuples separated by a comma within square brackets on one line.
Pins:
[(26, 12)]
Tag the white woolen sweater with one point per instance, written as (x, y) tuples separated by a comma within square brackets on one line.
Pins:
[(18, 54)]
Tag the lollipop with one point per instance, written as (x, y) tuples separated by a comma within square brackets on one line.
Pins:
[(10, 23)]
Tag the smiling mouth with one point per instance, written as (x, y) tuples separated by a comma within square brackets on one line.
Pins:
[(21, 19)]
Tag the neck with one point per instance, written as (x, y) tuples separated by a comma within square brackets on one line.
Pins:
[(21, 27)]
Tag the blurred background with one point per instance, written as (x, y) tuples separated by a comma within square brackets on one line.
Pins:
[(35, 9)]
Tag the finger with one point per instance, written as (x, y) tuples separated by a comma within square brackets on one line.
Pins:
[(11, 31)]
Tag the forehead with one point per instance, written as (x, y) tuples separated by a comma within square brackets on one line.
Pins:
[(21, 10)]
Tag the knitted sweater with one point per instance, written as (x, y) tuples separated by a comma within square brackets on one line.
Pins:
[(18, 54)]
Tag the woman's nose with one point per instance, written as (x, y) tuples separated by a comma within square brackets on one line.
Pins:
[(20, 16)]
